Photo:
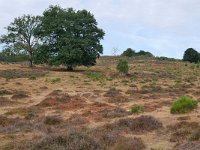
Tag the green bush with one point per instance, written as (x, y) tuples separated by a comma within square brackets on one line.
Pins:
[(122, 66), (95, 76), (4, 57), (137, 109), (183, 105)]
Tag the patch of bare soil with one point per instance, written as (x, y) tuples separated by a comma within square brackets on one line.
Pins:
[(152, 106)]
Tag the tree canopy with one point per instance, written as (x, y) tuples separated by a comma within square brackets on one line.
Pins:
[(191, 55), (69, 37), (130, 53), (20, 35)]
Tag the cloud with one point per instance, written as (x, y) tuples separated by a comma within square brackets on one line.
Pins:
[(164, 27)]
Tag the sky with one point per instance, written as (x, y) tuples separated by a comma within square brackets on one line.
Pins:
[(162, 27)]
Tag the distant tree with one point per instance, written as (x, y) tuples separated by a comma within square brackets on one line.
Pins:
[(7, 52), (20, 35), (122, 66), (9, 55), (70, 38), (129, 52), (191, 55), (144, 53)]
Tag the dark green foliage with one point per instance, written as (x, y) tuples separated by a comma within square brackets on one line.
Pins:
[(13, 58), (8, 55), (143, 53), (166, 58), (129, 52), (69, 37), (122, 66), (183, 105), (191, 55), (20, 35)]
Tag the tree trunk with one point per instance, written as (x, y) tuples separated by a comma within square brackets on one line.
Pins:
[(70, 68), (31, 59)]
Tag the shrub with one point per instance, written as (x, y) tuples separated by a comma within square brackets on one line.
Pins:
[(73, 140), (137, 109), (122, 66), (138, 125), (183, 105)]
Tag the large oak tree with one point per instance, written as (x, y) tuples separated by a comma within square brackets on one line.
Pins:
[(69, 37)]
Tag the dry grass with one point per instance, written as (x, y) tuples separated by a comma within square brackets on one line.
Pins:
[(138, 125), (91, 107)]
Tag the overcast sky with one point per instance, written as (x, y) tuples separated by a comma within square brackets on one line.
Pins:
[(163, 27)]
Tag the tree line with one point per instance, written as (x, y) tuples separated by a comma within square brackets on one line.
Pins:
[(190, 55), (58, 37)]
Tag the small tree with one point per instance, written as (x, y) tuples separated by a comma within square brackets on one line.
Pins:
[(20, 35), (129, 52), (191, 55), (122, 66)]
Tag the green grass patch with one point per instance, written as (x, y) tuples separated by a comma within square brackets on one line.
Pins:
[(95, 76), (183, 105), (32, 78), (53, 80), (137, 109)]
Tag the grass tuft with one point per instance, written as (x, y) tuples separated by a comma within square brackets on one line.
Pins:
[(183, 105)]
